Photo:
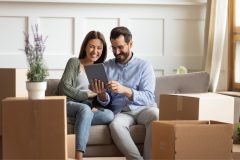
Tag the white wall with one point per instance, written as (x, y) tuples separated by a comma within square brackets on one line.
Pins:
[(168, 33)]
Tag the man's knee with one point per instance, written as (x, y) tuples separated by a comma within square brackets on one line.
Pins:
[(148, 115), (114, 125), (154, 113)]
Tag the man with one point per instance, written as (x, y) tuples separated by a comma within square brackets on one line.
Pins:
[(129, 94)]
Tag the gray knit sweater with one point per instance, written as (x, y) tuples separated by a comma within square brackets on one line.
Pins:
[(67, 84)]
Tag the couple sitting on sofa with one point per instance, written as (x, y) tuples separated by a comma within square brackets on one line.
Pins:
[(129, 94)]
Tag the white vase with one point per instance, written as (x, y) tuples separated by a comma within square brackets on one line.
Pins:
[(36, 90)]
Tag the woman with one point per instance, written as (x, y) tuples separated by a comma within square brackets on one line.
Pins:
[(74, 84)]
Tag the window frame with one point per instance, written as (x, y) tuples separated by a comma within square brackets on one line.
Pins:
[(234, 35)]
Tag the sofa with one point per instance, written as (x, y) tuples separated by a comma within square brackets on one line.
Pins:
[(100, 143)]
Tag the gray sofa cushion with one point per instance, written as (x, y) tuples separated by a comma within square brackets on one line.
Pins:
[(102, 151), (138, 133), (100, 134)]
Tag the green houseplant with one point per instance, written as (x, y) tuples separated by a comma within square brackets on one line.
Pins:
[(238, 133), (37, 71), (181, 70)]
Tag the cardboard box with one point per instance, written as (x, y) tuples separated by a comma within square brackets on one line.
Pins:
[(71, 145), (34, 129), (236, 152), (191, 140), (199, 106), (12, 84)]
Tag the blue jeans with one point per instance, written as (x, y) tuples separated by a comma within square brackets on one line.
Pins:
[(84, 118)]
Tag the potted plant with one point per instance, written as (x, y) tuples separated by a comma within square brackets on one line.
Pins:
[(37, 71), (237, 133)]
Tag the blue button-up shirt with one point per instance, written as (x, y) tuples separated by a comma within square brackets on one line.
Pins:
[(138, 75)]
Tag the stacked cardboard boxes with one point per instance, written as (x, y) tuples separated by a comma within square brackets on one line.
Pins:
[(12, 84), (184, 138)]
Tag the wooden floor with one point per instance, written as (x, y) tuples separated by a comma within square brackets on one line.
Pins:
[(236, 155), (101, 158), (105, 158)]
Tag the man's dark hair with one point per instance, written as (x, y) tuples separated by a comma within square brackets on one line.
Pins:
[(117, 31)]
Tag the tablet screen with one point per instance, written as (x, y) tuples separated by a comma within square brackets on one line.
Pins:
[(96, 71)]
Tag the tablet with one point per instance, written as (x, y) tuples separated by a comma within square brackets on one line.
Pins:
[(96, 71)]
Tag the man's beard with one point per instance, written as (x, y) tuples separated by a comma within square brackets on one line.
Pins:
[(123, 56)]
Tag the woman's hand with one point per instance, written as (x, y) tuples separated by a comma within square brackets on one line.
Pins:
[(94, 109), (98, 87), (91, 94)]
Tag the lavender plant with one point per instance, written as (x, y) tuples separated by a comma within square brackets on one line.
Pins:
[(37, 71)]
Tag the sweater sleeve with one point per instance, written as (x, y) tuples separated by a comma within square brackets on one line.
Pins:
[(68, 81)]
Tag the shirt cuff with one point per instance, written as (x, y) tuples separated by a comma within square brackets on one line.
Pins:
[(104, 103), (135, 95)]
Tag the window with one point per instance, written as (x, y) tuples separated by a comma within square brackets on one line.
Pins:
[(234, 45)]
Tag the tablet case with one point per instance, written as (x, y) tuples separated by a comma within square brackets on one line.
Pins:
[(96, 71)]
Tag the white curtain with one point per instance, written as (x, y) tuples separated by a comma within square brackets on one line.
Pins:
[(215, 38), (237, 62)]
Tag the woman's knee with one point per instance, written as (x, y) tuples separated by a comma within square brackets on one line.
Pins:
[(84, 110), (109, 116)]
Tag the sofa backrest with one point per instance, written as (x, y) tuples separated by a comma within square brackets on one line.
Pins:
[(195, 82), (51, 87)]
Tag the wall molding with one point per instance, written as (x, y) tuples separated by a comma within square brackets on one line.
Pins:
[(140, 2), (168, 34)]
